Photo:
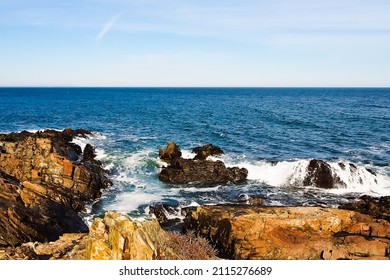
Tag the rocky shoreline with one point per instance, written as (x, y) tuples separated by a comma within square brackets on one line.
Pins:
[(46, 181)]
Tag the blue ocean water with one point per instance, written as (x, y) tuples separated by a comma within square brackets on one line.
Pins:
[(254, 126)]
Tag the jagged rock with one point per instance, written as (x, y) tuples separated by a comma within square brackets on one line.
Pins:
[(163, 211), (68, 247), (170, 152), (377, 207), (23, 252), (207, 150), (117, 237), (89, 153), (43, 185), (203, 172), (319, 174), (199, 171), (250, 232)]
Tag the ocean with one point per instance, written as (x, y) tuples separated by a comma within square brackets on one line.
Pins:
[(273, 132)]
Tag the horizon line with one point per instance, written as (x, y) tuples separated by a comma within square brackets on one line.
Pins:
[(194, 87)]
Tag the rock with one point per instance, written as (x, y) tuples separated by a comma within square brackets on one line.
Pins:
[(376, 207), (170, 152), (24, 252), (371, 171), (207, 150), (282, 233), (89, 153), (117, 237), (251, 200), (202, 172), (162, 212), (319, 174), (43, 186), (68, 247)]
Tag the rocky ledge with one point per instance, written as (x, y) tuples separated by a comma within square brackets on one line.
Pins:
[(198, 170), (45, 181), (282, 233)]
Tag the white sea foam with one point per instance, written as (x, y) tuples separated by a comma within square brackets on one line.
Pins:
[(292, 173), (187, 154), (127, 202)]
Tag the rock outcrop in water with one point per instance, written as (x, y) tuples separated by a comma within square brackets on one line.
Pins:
[(170, 152), (207, 150), (201, 171), (44, 183), (319, 174), (249, 232)]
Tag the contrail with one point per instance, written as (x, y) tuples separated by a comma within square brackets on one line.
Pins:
[(108, 26)]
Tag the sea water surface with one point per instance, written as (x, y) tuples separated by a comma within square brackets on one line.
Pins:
[(256, 127)]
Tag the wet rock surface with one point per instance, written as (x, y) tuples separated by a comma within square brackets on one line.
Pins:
[(201, 171), (377, 207), (44, 185), (319, 174), (250, 232), (170, 152), (207, 150)]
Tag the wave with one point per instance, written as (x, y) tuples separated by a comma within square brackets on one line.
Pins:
[(348, 177), (136, 184)]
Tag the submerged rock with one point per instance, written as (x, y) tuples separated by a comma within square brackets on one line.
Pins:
[(207, 150), (283, 233), (43, 185)]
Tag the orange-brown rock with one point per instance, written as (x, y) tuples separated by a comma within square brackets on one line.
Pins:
[(250, 232), (117, 237), (70, 246), (44, 184), (170, 152)]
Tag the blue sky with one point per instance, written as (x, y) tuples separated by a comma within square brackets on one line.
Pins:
[(195, 43)]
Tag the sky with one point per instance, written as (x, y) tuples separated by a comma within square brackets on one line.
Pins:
[(251, 43)]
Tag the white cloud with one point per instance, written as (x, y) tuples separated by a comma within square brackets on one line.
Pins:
[(107, 27)]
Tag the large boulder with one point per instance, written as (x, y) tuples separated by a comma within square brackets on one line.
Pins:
[(250, 232), (203, 172), (118, 237), (170, 152), (44, 185), (319, 174), (207, 150)]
